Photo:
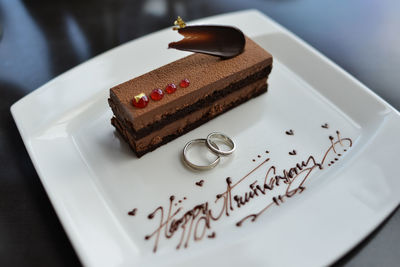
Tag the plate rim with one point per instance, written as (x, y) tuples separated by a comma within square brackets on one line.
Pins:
[(15, 109)]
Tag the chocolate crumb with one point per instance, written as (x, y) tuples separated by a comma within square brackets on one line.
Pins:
[(326, 126)]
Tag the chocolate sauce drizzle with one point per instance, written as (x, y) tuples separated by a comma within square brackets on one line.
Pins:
[(200, 183), (293, 152), (212, 235), (196, 223), (326, 126)]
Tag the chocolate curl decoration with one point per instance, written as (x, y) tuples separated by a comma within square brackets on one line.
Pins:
[(220, 41)]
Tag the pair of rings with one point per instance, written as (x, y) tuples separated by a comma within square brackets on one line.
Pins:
[(212, 146)]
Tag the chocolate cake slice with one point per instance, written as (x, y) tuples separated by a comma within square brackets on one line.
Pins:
[(206, 86)]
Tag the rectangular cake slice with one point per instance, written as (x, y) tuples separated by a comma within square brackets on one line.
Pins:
[(214, 86)]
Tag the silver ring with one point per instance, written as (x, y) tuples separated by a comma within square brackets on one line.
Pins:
[(220, 137), (195, 166)]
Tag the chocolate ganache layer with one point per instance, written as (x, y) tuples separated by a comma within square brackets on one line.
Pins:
[(216, 85)]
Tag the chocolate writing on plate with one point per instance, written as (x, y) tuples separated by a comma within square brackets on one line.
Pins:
[(196, 223)]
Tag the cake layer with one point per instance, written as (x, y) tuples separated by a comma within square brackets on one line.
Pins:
[(207, 74), (199, 104), (175, 129)]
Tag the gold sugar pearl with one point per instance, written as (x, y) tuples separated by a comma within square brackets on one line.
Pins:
[(179, 23)]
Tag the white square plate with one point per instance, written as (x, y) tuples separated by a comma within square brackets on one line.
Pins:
[(94, 180)]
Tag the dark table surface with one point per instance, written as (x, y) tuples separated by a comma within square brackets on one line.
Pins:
[(362, 36)]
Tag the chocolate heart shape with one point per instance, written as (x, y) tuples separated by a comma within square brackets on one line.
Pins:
[(290, 132), (326, 126)]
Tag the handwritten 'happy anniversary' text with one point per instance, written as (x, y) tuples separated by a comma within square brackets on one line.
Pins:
[(196, 223)]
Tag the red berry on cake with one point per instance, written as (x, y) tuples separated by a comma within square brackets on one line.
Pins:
[(156, 94), (140, 101), (170, 88), (184, 83)]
